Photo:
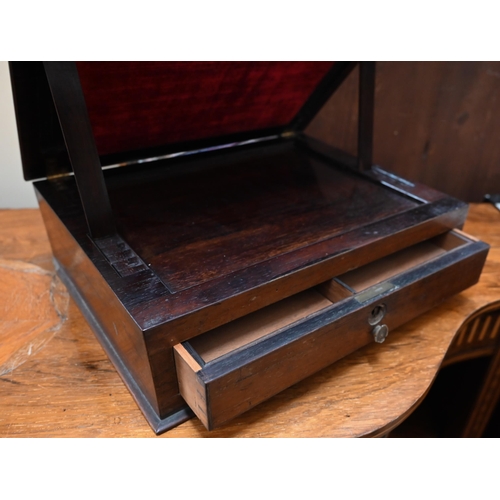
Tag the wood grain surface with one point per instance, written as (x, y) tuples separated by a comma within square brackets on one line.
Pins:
[(67, 387), (435, 123)]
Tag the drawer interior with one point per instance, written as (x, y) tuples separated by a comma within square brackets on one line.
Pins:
[(269, 320), (383, 269), (276, 317), (228, 370)]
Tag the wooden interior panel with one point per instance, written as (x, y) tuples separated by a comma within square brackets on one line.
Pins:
[(333, 290), (392, 265), (190, 387), (452, 239), (241, 332)]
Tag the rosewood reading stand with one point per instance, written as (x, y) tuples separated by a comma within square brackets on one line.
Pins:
[(222, 256)]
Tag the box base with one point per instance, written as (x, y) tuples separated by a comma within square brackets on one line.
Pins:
[(159, 425)]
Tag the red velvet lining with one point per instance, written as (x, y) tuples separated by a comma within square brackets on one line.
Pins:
[(136, 105)]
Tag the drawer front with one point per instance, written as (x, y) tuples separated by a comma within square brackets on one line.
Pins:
[(236, 381)]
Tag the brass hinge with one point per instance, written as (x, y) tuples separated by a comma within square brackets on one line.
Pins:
[(54, 177)]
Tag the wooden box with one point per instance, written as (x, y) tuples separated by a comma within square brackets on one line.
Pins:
[(219, 254)]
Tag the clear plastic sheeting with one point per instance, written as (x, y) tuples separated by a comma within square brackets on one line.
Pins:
[(33, 308)]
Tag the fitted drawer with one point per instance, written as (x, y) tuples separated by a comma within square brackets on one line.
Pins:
[(228, 370)]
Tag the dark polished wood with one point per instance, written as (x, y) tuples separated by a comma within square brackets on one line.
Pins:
[(234, 215), (67, 387), (41, 141), (288, 194), (365, 117), (101, 301), (207, 221), (72, 112)]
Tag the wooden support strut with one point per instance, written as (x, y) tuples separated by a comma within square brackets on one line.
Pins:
[(332, 81), (327, 87), (365, 114), (71, 108)]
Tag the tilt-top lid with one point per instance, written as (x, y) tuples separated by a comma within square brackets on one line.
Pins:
[(139, 110)]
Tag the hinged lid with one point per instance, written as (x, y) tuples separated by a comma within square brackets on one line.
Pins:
[(140, 110), (83, 116)]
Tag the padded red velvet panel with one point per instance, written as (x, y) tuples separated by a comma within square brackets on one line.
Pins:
[(136, 105)]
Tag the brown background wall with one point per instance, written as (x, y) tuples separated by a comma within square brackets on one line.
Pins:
[(436, 123)]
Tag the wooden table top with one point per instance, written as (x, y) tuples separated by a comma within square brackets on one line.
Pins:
[(56, 381)]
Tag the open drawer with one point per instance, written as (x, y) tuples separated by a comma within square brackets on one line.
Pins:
[(228, 370)]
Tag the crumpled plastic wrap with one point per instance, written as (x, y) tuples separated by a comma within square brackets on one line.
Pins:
[(33, 307)]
